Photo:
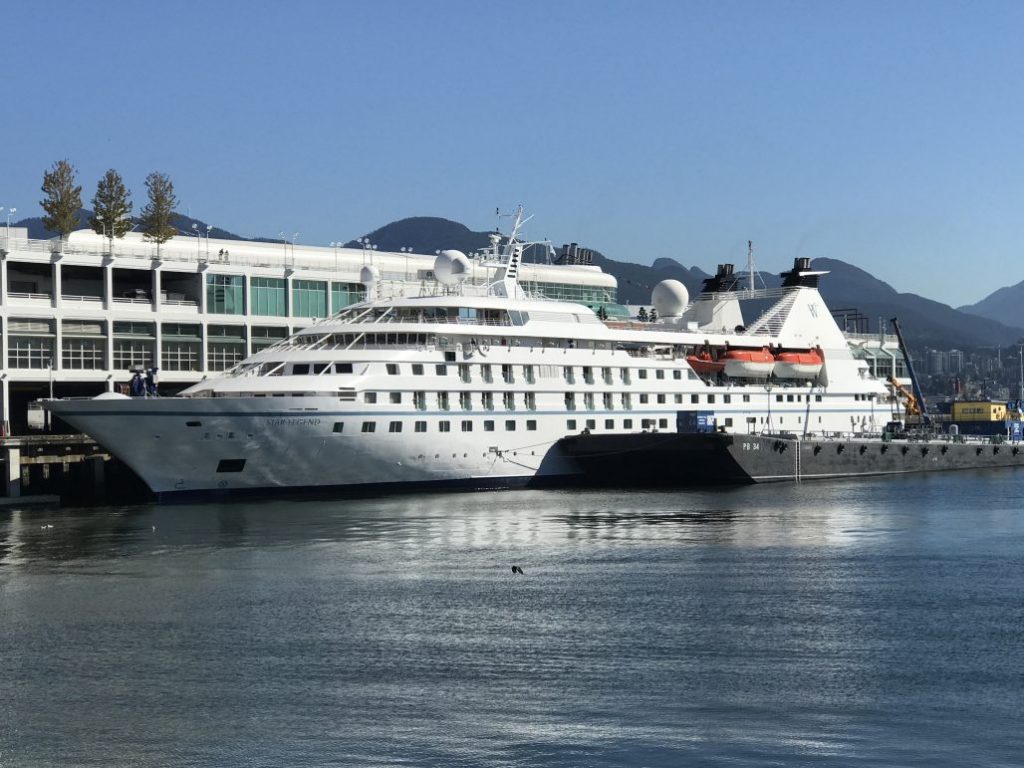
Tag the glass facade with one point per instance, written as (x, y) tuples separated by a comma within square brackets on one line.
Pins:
[(591, 295), (225, 294), (309, 298), (269, 296), (180, 347), (343, 294), (264, 336), (225, 346)]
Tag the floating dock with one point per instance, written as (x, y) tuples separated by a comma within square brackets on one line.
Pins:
[(670, 459)]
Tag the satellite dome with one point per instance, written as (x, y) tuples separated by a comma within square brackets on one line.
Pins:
[(670, 298), (369, 275), (451, 267)]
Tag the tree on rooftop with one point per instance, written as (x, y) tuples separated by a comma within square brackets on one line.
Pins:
[(63, 199), (112, 207), (156, 216)]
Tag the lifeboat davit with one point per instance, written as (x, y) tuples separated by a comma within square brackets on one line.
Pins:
[(749, 363), (798, 365), (705, 365)]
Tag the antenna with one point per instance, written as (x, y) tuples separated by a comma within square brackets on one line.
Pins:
[(750, 263)]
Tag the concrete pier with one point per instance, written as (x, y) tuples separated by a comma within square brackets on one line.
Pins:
[(67, 464)]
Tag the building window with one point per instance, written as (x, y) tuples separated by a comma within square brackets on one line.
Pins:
[(344, 294), (35, 352), (395, 426), (369, 426), (225, 294), (83, 354), (268, 296), (309, 298)]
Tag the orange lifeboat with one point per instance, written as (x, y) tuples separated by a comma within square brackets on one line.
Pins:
[(704, 364), (749, 363), (804, 364)]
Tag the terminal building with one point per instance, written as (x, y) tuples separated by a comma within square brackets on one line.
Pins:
[(78, 316)]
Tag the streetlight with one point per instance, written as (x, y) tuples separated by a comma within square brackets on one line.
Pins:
[(10, 213), (199, 237)]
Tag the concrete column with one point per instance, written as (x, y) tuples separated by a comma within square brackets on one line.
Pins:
[(12, 462), (157, 289), (202, 292), (108, 286), (58, 287), (3, 283), (5, 400)]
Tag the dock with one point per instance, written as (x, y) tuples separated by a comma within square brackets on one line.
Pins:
[(68, 465)]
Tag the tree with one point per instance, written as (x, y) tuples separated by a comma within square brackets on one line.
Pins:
[(112, 207), (156, 216), (63, 199)]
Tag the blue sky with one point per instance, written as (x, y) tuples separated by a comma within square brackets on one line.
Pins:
[(885, 134)]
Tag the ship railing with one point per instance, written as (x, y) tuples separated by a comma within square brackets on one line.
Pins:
[(29, 296)]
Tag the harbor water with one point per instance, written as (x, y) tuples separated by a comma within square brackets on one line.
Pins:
[(872, 622)]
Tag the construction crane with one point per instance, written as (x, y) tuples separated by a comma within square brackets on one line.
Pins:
[(918, 396), (910, 404)]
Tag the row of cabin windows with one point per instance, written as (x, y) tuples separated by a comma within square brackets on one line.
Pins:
[(624, 400), (490, 425), (530, 373), (798, 398)]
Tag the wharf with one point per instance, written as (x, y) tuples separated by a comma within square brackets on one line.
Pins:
[(66, 464)]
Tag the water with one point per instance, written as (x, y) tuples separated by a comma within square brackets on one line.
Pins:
[(873, 622)]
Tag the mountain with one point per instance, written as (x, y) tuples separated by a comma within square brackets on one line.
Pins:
[(183, 223), (1005, 305), (925, 322)]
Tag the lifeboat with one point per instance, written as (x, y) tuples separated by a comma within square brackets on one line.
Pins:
[(798, 365), (705, 365), (749, 363)]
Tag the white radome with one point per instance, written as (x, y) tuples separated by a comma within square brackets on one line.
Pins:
[(670, 298), (451, 267)]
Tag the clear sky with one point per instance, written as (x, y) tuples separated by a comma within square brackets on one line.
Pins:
[(885, 134)]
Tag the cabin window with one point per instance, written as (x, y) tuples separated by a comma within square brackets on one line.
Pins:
[(570, 424), (789, 398), (319, 368), (510, 426), (419, 400), (778, 398), (726, 398), (369, 426), (746, 398), (395, 426), (817, 399), (421, 426), (300, 369), (569, 377), (627, 423), (591, 424), (662, 423), (488, 425), (485, 373), (711, 399), (369, 397), (728, 421), (528, 374), (444, 426), (442, 401), (343, 367), (588, 400), (609, 401), (661, 399), (531, 425), (570, 401), (467, 426), (488, 401), (417, 369), (392, 369), (509, 400), (339, 427), (464, 374), (395, 398), (643, 399), (624, 374), (606, 374), (506, 374), (609, 423), (441, 369), (466, 401), (627, 401), (531, 401), (231, 465), (678, 398), (694, 398), (659, 374), (677, 375), (588, 375), (642, 373)]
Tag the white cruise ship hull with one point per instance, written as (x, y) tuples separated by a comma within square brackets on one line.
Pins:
[(193, 447)]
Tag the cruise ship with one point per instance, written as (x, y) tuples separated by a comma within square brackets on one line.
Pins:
[(475, 385)]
